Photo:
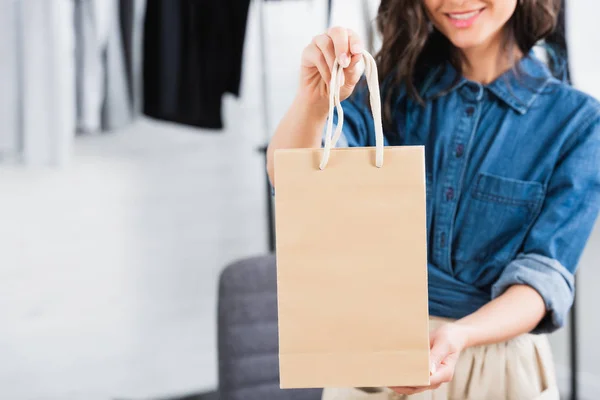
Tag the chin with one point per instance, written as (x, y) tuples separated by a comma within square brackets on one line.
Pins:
[(464, 43)]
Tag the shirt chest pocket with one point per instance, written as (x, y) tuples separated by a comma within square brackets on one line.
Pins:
[(498, 214)]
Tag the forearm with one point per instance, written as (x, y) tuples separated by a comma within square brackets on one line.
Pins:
[(519, 310), (301, 127)]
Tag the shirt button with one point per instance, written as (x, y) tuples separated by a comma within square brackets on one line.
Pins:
[(450, 194), (470, 111), (474, 88), (443, 240), (460, 151)]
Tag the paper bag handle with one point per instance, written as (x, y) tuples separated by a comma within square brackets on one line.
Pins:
[(337, 75)]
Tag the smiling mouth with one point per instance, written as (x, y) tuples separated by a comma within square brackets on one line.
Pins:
[(464, 16)]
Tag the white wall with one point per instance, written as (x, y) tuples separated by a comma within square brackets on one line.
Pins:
[(588, 325), (584, 45)]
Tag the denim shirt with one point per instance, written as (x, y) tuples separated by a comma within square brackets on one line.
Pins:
[(513, 182)]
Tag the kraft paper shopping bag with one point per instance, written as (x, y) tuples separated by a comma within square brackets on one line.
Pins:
[(352, 260)]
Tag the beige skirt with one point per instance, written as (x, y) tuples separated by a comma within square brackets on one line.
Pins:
[(520, 369)]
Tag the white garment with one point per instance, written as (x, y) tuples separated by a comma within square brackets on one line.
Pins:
[(37, 93), (9, 81), (46, 63), (102, 96)]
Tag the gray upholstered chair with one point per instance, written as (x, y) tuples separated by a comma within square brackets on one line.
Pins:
[(247, 334)]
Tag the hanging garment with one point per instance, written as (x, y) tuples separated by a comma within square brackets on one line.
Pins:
[(108, 62), (9, 81), (131, 15), (37, 102), (192, 56)]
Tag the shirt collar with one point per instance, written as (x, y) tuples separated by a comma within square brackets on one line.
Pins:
[(517, 87)]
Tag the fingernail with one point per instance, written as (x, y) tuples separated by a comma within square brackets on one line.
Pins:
[(344, 60), (356, 49)]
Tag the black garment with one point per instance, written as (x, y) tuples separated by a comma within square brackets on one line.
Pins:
[(192, 56), (126, 20)]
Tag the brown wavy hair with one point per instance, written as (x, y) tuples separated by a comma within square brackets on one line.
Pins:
[(412, 46)]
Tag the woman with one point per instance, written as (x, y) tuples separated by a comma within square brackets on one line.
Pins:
[(513, 179)]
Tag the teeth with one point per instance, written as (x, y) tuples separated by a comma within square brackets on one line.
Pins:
[(464, 16)]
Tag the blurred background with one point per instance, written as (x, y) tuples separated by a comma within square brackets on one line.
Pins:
[(131, 175)]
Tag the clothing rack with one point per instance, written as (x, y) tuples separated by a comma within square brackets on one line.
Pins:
[(573, 334)]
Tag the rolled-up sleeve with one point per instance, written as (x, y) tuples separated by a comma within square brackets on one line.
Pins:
[(554, 244)]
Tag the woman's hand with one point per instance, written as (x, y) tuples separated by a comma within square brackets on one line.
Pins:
[(500, 320), (302, 126), (317, 63), (447, 342)]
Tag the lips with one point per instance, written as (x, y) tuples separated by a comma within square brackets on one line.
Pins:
[(464, 19), (464, 16)]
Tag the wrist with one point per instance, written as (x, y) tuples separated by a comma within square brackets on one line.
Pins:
[(461, 334), (311, 109), (466, 332)]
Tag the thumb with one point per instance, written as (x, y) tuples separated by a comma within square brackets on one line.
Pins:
[(437, 353), (354, 71)]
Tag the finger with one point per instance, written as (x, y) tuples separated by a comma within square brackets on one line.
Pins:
[(325, 45), (439, 351), (353, 73), (414, 390), (323, 68), (356, 48), (315, 58), (354, 61), (354, 43), (409, 391), (421, 390), (443, 374), (404, 390), (339, 36)]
